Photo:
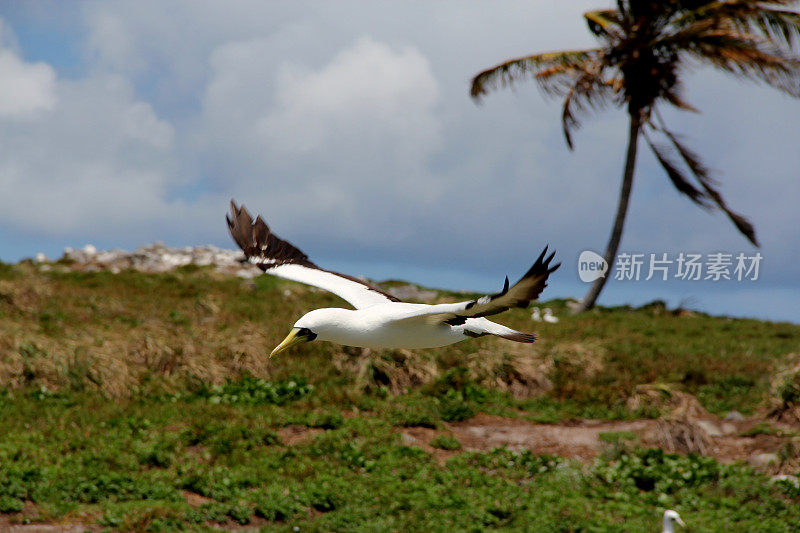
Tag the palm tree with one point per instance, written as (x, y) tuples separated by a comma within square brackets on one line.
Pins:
[(645, 48)]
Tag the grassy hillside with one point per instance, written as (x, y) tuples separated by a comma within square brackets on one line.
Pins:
[(146, 402)]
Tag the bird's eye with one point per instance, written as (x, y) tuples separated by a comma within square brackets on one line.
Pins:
[(305, 332)]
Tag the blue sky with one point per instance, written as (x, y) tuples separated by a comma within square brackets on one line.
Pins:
[(349, 127)]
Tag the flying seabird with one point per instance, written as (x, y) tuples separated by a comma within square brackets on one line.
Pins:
[(380, 320)]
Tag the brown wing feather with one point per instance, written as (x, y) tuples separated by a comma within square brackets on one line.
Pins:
[(528, 288), (257, 241)]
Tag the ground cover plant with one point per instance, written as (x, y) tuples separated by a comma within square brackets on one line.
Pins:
[(136, 401)]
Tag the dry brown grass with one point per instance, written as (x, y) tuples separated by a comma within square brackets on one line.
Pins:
[(524, 370), (396, 370), (520, 369), (58, 337), (680, 436), (784, 402), (119, 365), (678, 429), (667, 400)]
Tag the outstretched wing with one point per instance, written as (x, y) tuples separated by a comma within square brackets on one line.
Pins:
[(280, 258), (528, 288)]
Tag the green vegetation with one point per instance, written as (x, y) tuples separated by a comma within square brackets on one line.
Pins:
[(445, 442), (147, 402)]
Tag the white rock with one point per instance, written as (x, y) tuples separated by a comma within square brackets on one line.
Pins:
[(734, 416), (158, 257), (763, 460), (794, 480), (408, 440), (246, 273), (710, 428), (411, 292)]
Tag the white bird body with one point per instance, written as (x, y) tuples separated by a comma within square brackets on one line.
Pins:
[(392, 325), (670, 519), (536, 315), (380, 320), (549, 317)]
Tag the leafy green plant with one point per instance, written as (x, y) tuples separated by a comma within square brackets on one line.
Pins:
[(324, 420), (276, 506), (653, 469), (445, 442), (255, 391)]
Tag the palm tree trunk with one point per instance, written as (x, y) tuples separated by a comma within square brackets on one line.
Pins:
[(622, 210)]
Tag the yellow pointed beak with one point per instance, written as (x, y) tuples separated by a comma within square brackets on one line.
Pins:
[(291, 339)]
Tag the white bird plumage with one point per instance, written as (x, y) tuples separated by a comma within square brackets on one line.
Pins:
[(380, 320), (549, 316), (670, 519)]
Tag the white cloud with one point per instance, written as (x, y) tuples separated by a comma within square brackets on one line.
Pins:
[(368, 118), (25, 88), (95, 162), (336, 139)]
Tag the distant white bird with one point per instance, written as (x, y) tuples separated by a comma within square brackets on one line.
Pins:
[(549, 317), (380, 320), (670, 519), (536, 316)]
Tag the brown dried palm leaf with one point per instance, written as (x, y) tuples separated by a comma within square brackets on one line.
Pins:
[(564, 63)]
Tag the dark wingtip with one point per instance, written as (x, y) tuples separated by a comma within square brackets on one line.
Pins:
[(235, 209), (541, 255)]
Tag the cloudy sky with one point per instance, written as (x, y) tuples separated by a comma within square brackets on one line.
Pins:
[(349, 127)]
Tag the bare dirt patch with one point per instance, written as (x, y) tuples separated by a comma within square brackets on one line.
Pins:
[(578, 440), (294, 434), (10, 524), (581, 439)]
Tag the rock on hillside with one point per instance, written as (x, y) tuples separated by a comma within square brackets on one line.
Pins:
[(155, 258)]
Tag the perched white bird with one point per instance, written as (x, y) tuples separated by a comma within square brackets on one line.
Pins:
[(549, 316), (536, 315), (670, 519), (380, 320)]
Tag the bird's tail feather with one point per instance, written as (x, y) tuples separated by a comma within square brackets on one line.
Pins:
[(492, 328), (518, 336)]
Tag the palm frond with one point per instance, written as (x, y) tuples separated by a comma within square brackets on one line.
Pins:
[(748, 57), (673, 97), (707, 195), (604, 22), (565, 62), (678, 178), (769, 19), (589, 92)]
